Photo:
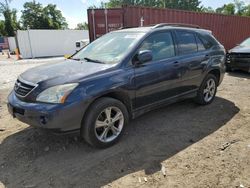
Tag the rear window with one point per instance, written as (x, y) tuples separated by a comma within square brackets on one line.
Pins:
[(186, 42)]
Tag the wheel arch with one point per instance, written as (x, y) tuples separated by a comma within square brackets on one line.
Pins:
[(118, 95), (216, 73)]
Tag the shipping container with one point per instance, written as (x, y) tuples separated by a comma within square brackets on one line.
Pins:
[(12, 44), (229, 30)]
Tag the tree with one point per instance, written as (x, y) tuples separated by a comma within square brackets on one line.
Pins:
[(180, 4), (207, 9), (229, 9), (192, 5), (240, 7), (54, 17), (82, 26), (219, 10), (35, 16), (32, 16), (2, 28), (9, 18)]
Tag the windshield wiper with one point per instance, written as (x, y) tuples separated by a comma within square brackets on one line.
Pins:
[(76, 59), (93, 60)]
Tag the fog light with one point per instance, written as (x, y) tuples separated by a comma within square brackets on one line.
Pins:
[(43, 120)]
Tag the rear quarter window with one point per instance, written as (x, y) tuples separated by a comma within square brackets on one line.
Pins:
[(200, 44), (206, 42)]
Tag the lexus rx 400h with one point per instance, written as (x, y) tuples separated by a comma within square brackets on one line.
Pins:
[(118, 77)]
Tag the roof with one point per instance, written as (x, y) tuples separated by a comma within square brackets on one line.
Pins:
[(146, 29), (135, 29)]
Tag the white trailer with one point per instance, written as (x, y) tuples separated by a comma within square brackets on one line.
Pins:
[(12, 44), (48, 43)]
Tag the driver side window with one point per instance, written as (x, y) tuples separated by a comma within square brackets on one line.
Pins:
[(161, 45)]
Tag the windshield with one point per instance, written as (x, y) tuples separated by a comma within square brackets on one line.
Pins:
[(110, 48), (245, 42)]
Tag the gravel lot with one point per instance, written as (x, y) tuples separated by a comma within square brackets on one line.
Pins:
[(194, 146), (10, 68)]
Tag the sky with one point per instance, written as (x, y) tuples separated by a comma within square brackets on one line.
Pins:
[(75, 11)]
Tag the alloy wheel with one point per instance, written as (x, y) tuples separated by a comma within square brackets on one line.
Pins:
[(109, 124), (209, 90)]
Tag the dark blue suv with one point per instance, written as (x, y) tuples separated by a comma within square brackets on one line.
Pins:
[(118, 77)]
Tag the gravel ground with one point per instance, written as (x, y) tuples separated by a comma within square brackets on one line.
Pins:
[(181, 145), (11, 68)]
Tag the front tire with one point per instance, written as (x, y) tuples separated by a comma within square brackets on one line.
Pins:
[(104, 122), (207, 90)]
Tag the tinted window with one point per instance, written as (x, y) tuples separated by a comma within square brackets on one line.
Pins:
[(186, 42), (200, 44), (205, 42), (161, 45)]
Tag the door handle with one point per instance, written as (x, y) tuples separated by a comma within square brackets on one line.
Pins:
[(176, 64), (207, 56)]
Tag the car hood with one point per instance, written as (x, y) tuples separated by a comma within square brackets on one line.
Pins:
[(66, 71), (240, 49)]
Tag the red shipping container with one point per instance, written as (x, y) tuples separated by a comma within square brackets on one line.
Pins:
[(229, 30)]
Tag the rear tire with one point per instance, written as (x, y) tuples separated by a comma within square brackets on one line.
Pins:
[(104, 122), (207, 90)]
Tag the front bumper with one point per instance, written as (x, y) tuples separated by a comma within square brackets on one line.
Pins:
[(242, 63), (59, 117)]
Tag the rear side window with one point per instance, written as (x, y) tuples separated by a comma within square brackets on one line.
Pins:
[(207, 44), (161, 45), (200, 44), (186, 42)]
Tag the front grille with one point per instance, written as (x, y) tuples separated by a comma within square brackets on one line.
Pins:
[(23, 89), (239, 55)]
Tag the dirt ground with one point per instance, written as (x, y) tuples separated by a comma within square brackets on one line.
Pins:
[(194, 146)]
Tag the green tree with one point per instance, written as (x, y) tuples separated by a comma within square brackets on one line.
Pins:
[(229, 9), (10, 22), (207, 9), (54, 17), (247, 11), (82, 26), (35, 16), (193, 5), (2, 28), (9, 28), (240, 7), (32, 16)]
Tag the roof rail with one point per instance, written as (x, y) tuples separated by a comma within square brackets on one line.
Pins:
[(125, 27), (176, 25)]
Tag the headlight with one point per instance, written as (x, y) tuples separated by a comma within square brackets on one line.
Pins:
[(56, 94)]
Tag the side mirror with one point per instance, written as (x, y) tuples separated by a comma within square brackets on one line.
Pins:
[(144, 56)]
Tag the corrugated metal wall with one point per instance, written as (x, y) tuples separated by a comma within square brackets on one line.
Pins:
[(229, 30), (102, 21)]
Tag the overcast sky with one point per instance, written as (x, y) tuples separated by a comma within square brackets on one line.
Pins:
[(75, 10)]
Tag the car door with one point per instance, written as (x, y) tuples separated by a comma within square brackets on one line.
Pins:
[(158, 79), (193, 57)]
